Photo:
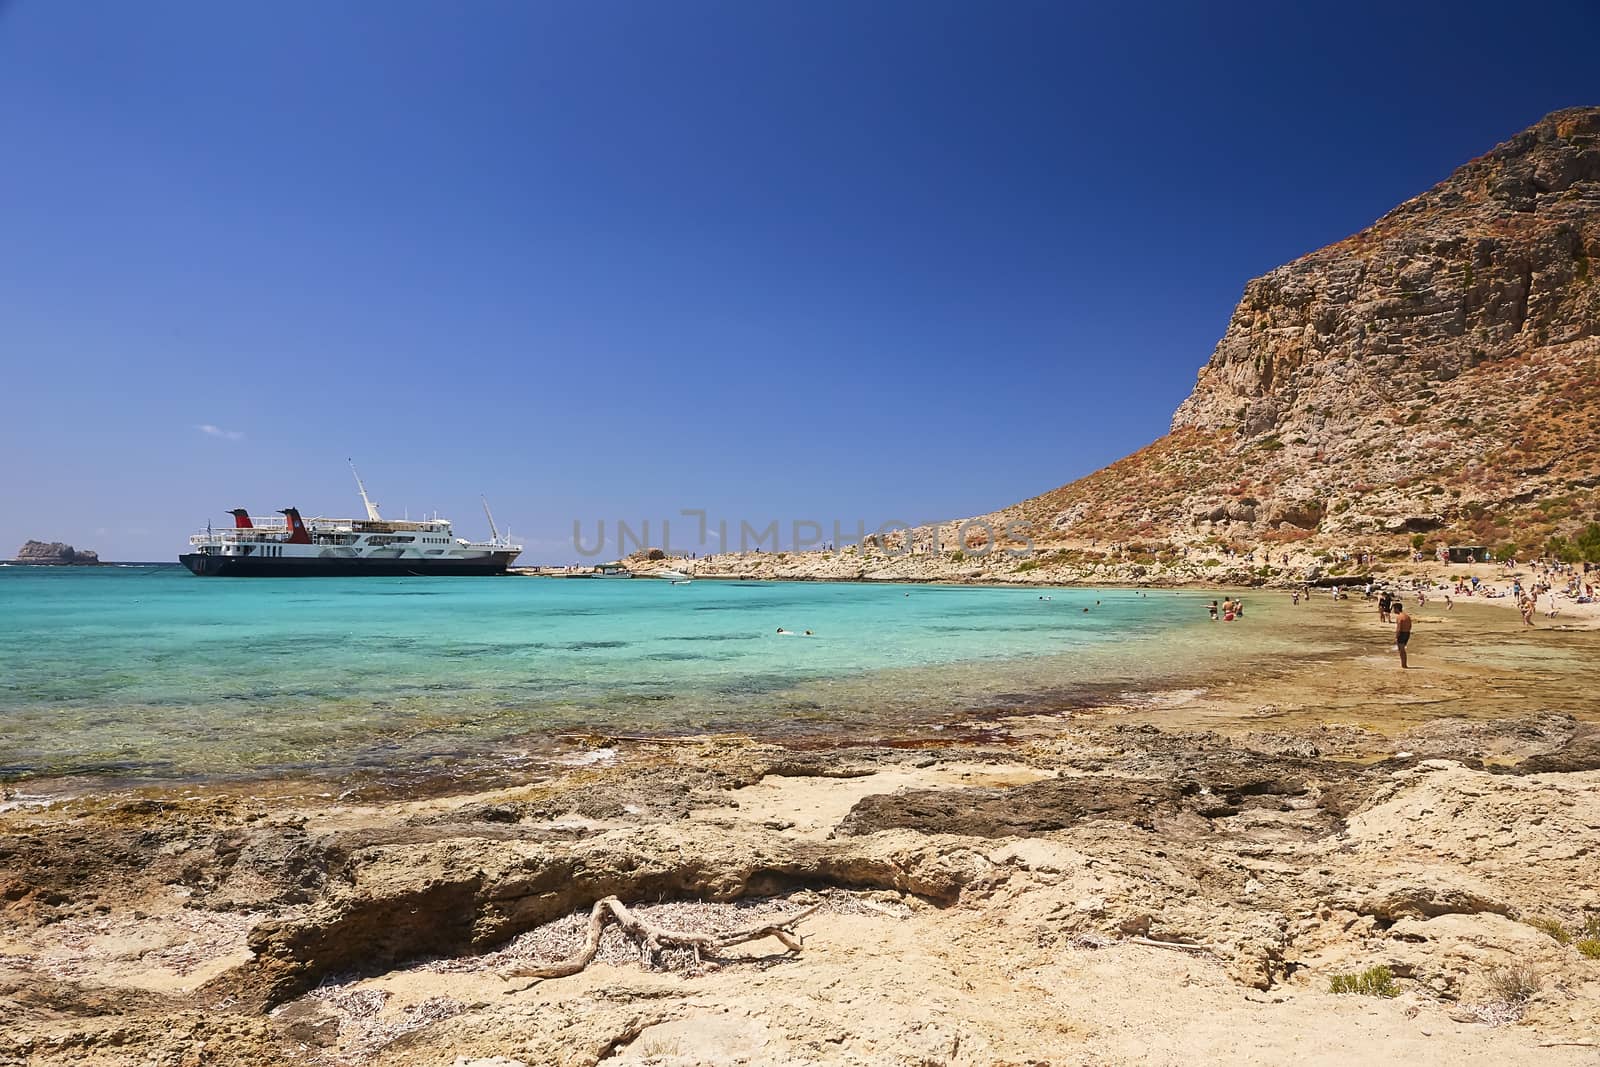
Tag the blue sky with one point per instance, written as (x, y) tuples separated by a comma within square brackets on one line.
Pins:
[(900, 260)]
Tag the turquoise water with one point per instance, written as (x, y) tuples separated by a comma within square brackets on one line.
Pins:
[(153, 673)]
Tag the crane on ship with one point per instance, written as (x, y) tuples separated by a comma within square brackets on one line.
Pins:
[(372, 507)]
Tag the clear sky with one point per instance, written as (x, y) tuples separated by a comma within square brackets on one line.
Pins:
[(876, 260)]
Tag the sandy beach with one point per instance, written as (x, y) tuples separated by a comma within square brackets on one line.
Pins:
[(1283, 569), (1172, 878)]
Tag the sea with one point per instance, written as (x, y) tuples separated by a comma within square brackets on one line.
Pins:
[(147, 673)]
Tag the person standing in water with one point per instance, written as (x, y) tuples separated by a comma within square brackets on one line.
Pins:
[(1402, 633)]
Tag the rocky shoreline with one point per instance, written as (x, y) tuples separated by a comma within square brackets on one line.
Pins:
[(1124, 884)]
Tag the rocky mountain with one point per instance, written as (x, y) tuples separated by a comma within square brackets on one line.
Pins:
[(1433, 380), (54, 553), (1437, 373)]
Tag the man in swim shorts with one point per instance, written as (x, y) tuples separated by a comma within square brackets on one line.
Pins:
[(1402, 632)]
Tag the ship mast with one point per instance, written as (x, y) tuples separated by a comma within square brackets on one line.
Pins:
[(372, 508)]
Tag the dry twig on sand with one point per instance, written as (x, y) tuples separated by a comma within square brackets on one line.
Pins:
[(1181, 946), (653, 939)]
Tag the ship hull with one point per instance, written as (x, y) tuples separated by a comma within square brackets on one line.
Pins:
[(216, 566)]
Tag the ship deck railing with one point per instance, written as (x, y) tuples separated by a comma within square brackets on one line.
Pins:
[(320, 525), (277, 535)]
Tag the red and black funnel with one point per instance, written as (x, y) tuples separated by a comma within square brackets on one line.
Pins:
[(241, 519), (297, 527)]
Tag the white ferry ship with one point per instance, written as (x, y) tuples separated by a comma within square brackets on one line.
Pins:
[(292, 547)]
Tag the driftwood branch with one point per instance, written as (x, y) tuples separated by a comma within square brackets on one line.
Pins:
[(1181, 946), (653, 939)]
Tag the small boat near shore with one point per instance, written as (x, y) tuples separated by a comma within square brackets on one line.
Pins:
[(296, 547)]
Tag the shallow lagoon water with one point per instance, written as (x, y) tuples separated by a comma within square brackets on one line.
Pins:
[(153, 673)]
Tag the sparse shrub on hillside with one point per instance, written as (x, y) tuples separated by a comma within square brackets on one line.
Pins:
[(1590, 947), (1515, 984), (1588, 543), (1560, 548), (1293, 533), (1546, 925), (657, 1048), (1372, 982)]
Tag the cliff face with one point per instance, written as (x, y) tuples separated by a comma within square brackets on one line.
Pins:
[(55, 553), (1436, 373), (1491, 263)]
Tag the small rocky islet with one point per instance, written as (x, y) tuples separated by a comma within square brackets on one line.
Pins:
[(56, 554)]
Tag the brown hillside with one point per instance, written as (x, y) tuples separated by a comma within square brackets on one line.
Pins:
[(1436, 373)]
